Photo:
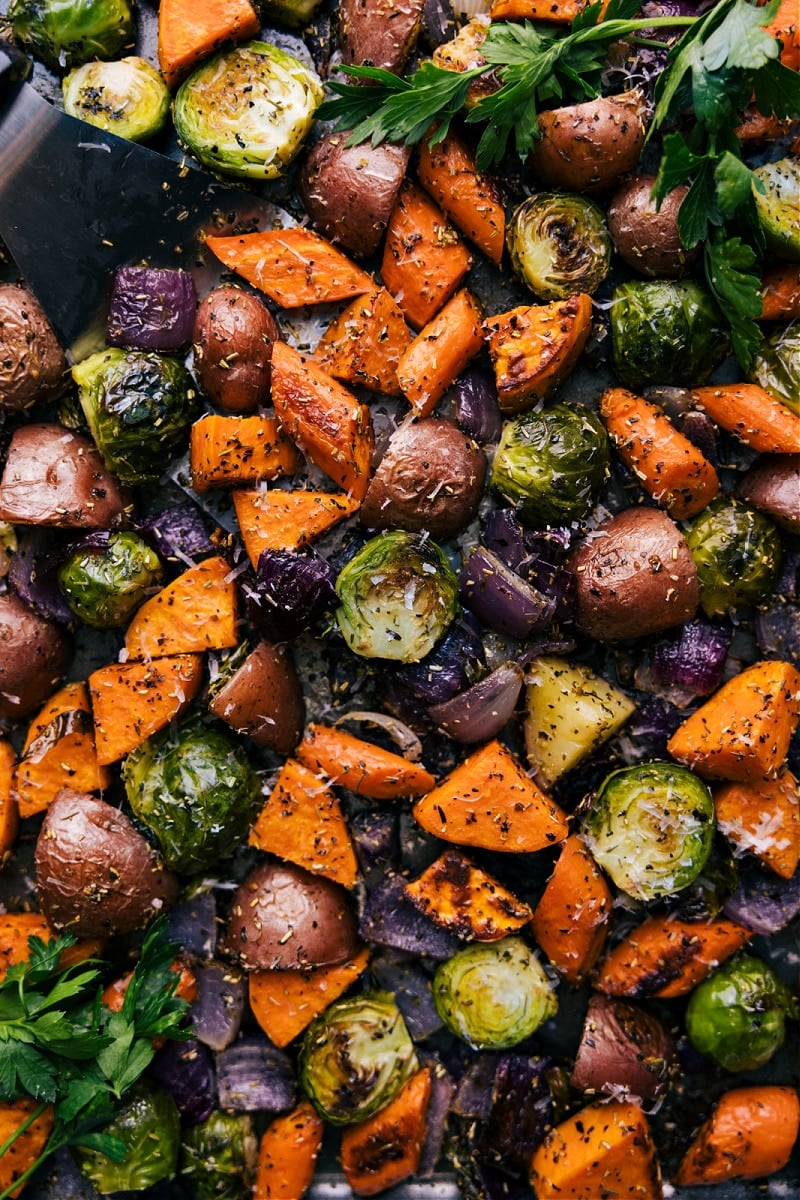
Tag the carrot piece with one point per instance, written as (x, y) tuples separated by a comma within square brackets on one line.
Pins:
[(114, 993), (59, 751), (303, 823), (364, 344), (424, 259), (750, 1133), (287, 520), (466, 900), (15, 929), (233, 451), (285, 1002), (472, 201), (605, 1149), (562, 12), (196, 612), (189, 31), (9, 813), (361, 767), (287, 1155), (570, 922), (742, 732), (29, 1145), (669, 467), (324, 418), (535, 347), (753, 416), (294, 267), (490, 802), (763, 819), (133, 700), (385, 1149), (780, 292), (666, 957), (786, 27), (440, 352)]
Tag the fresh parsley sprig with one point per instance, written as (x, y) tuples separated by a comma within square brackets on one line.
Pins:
[(60, 1045)]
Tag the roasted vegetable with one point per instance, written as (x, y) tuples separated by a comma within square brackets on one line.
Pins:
[(559, 244), (738, 1015), (32, 364), (776, 367), (665, 333), (645, 234), (104, 585), (587, 147), (36, 653), (148, 1125), (233, 336), (738, 553), (127, 97), (778, 206), (218, 1156), (63, 33)]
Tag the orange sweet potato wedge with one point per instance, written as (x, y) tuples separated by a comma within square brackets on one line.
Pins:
[(363, 346), (285, 1002), (570, 922), (763, 819), (534, 348), (233, 451), (59, 752), (385, 1149), (440, 352), (191, 30), (133, 700), (280, 520), (28, 1145), (603, 1150), (287, 1154), (466, 900), (196, 612), (9, 815)]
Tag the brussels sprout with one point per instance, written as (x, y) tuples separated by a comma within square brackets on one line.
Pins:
[(738, 1015), (666, 333), (128, 98), (559, 244), (104, 586), (247, 111), (355, 1057), (778, 206), (777, 367), (149, 1126), (218, 1157), (195, 790), (139, 408), (651, 828), (738, 552), (493, 996), (398, 596), (63, 33), (552, 464)]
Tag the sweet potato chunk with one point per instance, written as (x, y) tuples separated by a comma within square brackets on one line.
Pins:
[(287, 520), (466, 900), (534, 348)]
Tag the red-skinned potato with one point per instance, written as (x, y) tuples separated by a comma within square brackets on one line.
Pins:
[(430, 477), (634, 576), (588, 147), (646, 236), (623, 1047), (285, 918), (32, 364), (349, 191), (233, 336), (264, 699), (96, 875), (55, 477), (34, 656), (772, 485), (379, 34)]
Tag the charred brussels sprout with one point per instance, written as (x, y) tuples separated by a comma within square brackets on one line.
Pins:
[(493, 996), (195, 790), (218, 1157), (104, 586), (398, 596), (776, 190), (738, 1015), (247, 111), (777, 367), (651, 828), (138, 406), (552, 464), (355, 1057), (128, 97), (559, 245), (149, 1127), (738, 552), (63, 33), (665, 333)]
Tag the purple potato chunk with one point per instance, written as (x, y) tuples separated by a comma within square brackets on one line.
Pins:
[(152, 308), (254, 1076), (394, 972), (186, 1071), (389, 919), (218, 1010), (178, 533)]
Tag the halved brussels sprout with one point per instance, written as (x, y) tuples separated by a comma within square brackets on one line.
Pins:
[(139, 407), (778, 206), (218, 1157), (665, 332), (777, 366), (495, 995), (398, 596), (355, 1057), (552, 464), (738, 1015), (104, 586), (559, 244), (63, 33), (127, 97), (651, 828), (246, 111), (738, 552), (149, 1126)]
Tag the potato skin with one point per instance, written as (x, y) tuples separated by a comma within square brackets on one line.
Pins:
[(635, 576), (379, 33), (430, 477), (645, 237), (283, 917), (233, 336), (772, 485), (264, 699), (95, 874), (34, 656), (587, 147), (349, 191), (623, 1046), (32, 364)]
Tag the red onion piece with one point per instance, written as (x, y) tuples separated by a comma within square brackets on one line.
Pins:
[(33, 571), (500, 598), (186, 1071), (451, 665), (152, 308), (692, 658), (477, 410), (479, 714), (291, 592), (178, 532), (502, 533)]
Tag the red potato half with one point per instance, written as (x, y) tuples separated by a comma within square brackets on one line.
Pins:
[(32, 364), (34, 656), (646, 236), (623, 1048), (588, 147), (772, 485), (233, 336), (381, 33), (264, 699)]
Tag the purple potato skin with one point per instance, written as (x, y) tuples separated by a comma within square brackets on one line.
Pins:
[(34, 656)]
